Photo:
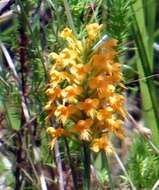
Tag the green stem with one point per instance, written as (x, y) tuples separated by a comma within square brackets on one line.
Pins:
[(74, 178), (108, 171), (33, 167), (86, 164), (69, 16)]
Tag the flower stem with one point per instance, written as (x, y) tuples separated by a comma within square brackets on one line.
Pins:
[(86, 164), (74, 178), (108, 171)]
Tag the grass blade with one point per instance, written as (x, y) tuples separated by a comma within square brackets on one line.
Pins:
[(144, 66)]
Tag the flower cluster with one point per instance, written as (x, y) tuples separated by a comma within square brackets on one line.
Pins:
[(85, 90)]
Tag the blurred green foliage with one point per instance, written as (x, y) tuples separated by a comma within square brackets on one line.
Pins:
[(142, 165)]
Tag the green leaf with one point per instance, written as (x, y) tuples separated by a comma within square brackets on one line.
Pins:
[(144, 65)]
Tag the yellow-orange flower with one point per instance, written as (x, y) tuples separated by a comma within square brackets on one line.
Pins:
[(55, 134), (116, 127), (54, 93), (83, 128), (98, 62), (73, 43), (63, 112), (84, 88), (104, 92), (105, 113), (89, 106), (118, 130), (66, 33), (117, 103), (80, 71), (109, 44), (54, 56), (102, 143), (57, 77), (50, 108), (102, 85), (69, 57), (70, 92), (97, 82), (93, 31)]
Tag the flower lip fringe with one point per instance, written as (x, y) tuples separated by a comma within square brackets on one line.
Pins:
[(85, 92)]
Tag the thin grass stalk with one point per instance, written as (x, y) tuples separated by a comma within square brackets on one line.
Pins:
[(69, 16), (156, 185), (10, 63), (111, 184), (7, 115), (95, 175), (23, 185), (95, 12), (28, 176), (4, 82), (86, 164), (59, 167), (153, 146), (42, 180), (33, 167), (142, 79), (124, 170), (74, 177), (51, 3), (39, 168)]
